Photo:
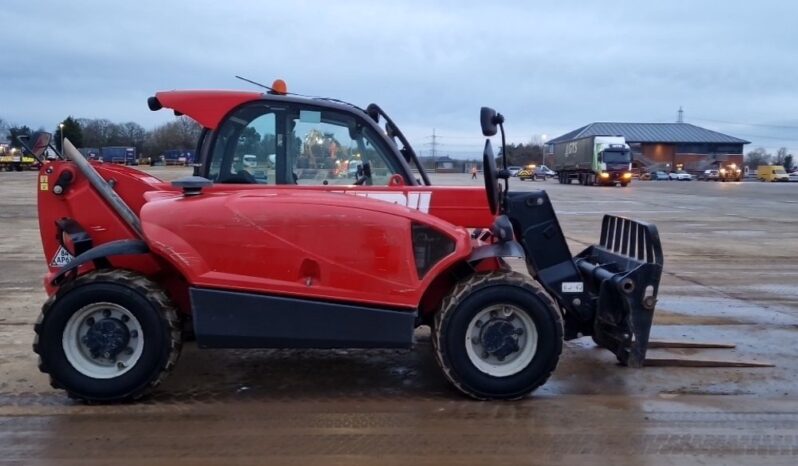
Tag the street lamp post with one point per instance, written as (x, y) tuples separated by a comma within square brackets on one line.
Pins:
[(61, 126), (543, 138)]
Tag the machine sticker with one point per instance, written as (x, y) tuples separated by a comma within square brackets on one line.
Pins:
[(61, 258), (414, 200), (43, 183), (573, 287)]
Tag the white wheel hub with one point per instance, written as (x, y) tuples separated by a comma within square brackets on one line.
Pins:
[(501, 340), (103, 340)]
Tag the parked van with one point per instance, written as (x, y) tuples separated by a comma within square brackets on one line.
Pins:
[(771, 173)]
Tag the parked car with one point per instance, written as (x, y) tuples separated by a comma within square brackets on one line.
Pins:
[(680, 176), (545, 172), (645, 176), (793, 176), (658, 176), (710, 175), (250, 161), (514, 170)]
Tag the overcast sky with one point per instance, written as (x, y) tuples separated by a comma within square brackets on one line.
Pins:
[(549, 66)]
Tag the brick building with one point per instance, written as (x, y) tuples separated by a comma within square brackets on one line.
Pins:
[(665, 146)]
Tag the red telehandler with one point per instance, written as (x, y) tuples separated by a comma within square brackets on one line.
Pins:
[(274, 244)]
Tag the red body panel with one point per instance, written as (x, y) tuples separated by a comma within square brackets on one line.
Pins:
[(207, 107), (459, 205), (346, 248), (82, 203), (345, 243)]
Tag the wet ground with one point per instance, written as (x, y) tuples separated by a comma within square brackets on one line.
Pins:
[(730, 276)]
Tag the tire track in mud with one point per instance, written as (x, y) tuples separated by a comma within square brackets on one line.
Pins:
[(419, 431)]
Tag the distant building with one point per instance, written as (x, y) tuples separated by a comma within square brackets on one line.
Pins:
[(665, 146)]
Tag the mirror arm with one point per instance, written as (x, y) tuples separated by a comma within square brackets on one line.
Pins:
[(504, 147), (505, 173)]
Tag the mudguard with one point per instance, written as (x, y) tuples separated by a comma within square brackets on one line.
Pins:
[(99, 253), (502, 249)]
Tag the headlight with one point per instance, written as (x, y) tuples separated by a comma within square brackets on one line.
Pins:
[(604, 175), (627, 175), (722, 171)]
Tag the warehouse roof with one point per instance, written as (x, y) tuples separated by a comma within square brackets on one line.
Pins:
[(651, 132)]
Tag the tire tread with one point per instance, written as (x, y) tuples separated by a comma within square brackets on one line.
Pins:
[(461, 291), (151, 292)]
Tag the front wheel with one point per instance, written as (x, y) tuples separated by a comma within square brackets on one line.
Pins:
[(109, 335), (498, 336)]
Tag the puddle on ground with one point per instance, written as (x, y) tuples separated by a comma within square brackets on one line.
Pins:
[(718, 310)]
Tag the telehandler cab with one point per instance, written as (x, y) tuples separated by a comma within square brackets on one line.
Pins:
[(274, 244)]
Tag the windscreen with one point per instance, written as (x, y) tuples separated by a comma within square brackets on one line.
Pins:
[(617, 156)]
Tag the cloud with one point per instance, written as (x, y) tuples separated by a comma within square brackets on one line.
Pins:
[(548, 66)]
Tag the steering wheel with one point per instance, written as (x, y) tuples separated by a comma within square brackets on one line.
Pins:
[(491, 181), (242, 177)]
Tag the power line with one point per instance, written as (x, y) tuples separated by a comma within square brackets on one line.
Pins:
[(746, 124), (759, 136), (440, 136)]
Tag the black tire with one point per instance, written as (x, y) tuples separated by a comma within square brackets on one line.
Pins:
[(475, 294), (144, 300)]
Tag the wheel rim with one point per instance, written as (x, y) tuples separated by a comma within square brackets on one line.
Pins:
[(501, 340), (103, 340)]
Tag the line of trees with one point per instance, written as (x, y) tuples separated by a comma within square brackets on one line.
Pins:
[(181, 133), (760, 156), (526, 154)]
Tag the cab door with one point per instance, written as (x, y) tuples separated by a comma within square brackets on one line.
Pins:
[(299, 143)]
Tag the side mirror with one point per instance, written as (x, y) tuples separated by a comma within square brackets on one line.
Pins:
[(39, 143), (490, 119), (487, 117)]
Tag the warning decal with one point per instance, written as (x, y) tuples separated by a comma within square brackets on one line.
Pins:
[(61, 258)]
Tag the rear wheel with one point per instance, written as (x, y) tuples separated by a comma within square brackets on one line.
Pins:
[(498, 336), (109, 335)]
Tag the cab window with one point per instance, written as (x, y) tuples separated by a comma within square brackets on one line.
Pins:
[(328, 147), (245, 149)]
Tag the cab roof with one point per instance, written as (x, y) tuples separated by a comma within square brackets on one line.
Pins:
[(209, 107)]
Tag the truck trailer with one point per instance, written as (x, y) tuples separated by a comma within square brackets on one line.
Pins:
[(594, 160), (119, 154)]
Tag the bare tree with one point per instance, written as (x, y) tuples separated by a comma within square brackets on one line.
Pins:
[(181, 133), (781, 155), (757, 157), (133, 134)]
